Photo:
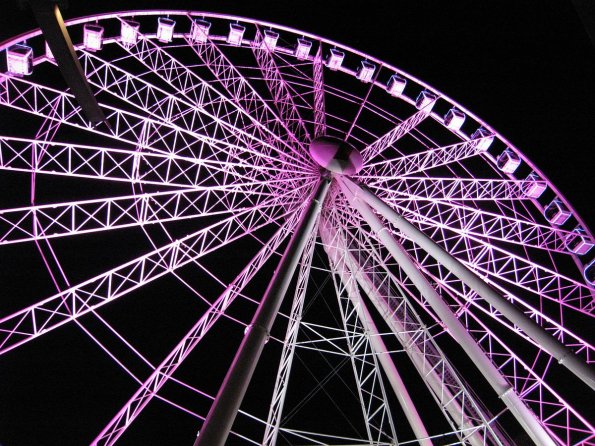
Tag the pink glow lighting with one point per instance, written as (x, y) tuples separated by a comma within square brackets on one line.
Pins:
[(454, 119), (165, 29), (556, 213), (200, 30), (93, 37), (236, 34), (534, 186), (19, 59), (508, 161), (396, 85), (426, 100), (366, 71), (302, 50), (129, 32), (577, 242), (335, 59), (269, 40), (486, 139)]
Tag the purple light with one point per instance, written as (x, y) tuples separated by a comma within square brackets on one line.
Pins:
[(366, 71), (508, 161), (93, 37), (556, 213), (236, 34), (577, 242), (454, 119), (486, 139), (396, 85), (19, 59), (165, 29), (269, 40), (426, 100), (335, 59), (129, 32), (302, 50), (535, 186), (200, 30)]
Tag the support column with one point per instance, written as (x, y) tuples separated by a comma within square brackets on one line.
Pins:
[(218, 423), (536, 332), (504, 390), (377, 344)]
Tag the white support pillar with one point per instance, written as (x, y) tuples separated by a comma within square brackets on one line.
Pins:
[(507, 308), (526, 418), (376, 342), (434, 373), (221, 416)]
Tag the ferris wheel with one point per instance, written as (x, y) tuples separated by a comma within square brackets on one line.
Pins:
[(271, 223)]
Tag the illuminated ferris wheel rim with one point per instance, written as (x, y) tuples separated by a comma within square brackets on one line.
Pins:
[(246, 43), (365, 57)]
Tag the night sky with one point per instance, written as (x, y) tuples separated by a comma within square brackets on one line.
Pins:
[(527, 68)]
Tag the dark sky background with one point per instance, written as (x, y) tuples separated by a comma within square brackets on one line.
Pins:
[(527, 68)]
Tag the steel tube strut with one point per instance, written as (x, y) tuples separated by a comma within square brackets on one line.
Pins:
[(377, 344), (48, 16), (526, 418), (537, 333), (221, 416)]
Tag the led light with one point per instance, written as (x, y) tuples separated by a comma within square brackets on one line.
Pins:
[(302, 50), (508, 161), (165, 29), (19, 59), (396, 85), (93, 37), (366, 71), (534, 186), (236, 34), (129, 32), (577, 241), (454, 119), (486, 139), (556, 213), (200, 30), (269, 41), (426, 100), (335, 59)]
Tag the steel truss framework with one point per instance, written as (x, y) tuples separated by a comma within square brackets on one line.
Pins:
[(201, 173)]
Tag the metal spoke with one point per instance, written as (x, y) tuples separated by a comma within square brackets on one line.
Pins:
[(72, 303)]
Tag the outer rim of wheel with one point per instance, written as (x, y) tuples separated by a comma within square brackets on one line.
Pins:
[(347, 71), (131, 13)]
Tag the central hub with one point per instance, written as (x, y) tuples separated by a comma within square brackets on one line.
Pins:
[(336, 155)]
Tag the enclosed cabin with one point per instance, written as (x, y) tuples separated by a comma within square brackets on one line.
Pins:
[(165, 29), (484, 138), (19, 60), (508, 161), (93, 37), (365, 73), (454, 119), (199, 32), (396, 85), (302, 49), (556, 213), (129, 32), (533, 186), (426, 100), (269, 40), (335, 59), (236, 34), (589, 273), (577, 241)]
